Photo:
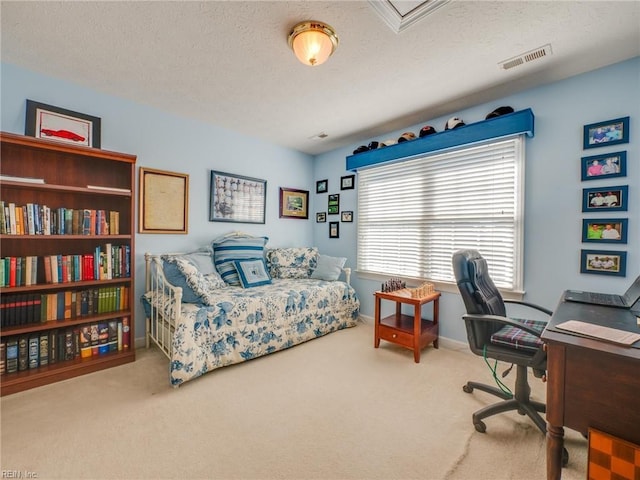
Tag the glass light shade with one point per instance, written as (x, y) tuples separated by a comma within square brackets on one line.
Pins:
[(313, 42)]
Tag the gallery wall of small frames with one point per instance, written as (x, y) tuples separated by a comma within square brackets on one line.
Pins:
[(607, 198), (347, 182)]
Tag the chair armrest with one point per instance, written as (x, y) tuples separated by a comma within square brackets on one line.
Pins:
[(503, 320), (530, 305)]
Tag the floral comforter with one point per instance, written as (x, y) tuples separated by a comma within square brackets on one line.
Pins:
[(248, 323)]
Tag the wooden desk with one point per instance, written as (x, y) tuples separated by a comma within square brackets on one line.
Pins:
[(590, 383), (412, 332)]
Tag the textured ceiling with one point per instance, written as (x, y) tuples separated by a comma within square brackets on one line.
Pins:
[(228, 62)]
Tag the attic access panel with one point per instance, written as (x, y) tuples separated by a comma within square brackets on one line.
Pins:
[(400, 14)]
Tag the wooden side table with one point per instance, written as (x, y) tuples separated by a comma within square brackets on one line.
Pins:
[(412, 332)]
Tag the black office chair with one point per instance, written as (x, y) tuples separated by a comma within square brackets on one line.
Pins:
[(493, 335)]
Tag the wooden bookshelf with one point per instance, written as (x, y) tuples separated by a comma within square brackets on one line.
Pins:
[(60, 176)]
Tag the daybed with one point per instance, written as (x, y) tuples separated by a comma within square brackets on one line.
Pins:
[(240, 300)]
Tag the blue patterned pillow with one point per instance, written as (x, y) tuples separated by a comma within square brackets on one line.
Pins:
[(194, 273), (229, 248), (252, 272), (294, 262)]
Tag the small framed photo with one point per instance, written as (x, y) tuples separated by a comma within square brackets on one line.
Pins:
[(334, 229), (321, 217), (61, 125), (604, 166), (347, 216), (294, 203), (333, 205), (605, 199), (234, 198), (322, 186), (609, 132), (348, 182), (603, 262), (604, 230)]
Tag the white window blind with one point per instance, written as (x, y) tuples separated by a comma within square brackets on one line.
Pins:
[(414, 214)]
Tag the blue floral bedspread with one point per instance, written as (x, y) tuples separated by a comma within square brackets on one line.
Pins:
[(248, 323)]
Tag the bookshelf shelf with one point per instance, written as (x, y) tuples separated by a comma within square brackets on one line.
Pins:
[(59, 328)]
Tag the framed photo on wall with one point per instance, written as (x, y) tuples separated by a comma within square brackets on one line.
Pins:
[(603, 262), (605, 199), (321, 217), (609, 132), (163, 201), (62, 125), (322, 186), (608, 165), (333, 204), (347, 216), (334, 229), (294, 203), (604, 230), (234, 198), (348, 182)]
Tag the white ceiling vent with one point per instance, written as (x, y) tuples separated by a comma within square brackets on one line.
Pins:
[(527, 57)]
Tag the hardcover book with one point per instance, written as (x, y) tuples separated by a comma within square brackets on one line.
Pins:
[(12, 355), (23, 353), (34, 351), (44, 348)]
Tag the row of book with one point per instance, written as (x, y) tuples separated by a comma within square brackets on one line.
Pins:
[(31, 308), (105, 263), (35, 219), (24, 352)]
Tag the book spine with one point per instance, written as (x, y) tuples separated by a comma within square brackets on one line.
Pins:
[(34, 351), (12, 355)]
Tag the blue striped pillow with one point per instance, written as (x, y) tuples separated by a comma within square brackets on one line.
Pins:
[(228, 249)]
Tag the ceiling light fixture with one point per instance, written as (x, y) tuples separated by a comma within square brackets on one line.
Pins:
[(313, 42)]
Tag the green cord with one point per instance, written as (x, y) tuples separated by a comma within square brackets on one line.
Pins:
[(501, 385)]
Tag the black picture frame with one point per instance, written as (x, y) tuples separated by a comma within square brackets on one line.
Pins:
[(604, 262), (321, 217), (346, 216), (604, 230), (333, 204), (608, 165), (322, 186), (608, 132), (236, 198), (348, 182), (61, 125), (597, 199), (334, 229)]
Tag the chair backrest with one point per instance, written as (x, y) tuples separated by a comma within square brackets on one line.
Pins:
[(479, 293)]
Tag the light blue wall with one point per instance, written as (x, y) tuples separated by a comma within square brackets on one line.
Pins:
[(553, 196), (168, 142), (553, 214)]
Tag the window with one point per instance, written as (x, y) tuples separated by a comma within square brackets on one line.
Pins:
[(414, 214)]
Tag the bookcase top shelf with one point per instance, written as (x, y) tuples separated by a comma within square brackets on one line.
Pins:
[(53, 146)]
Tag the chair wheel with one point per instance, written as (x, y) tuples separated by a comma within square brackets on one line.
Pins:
[(467, 389), (565, 457), (480, 426)]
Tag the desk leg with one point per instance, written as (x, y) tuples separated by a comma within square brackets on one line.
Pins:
[(417, 332), (555, 442), (436, 312), (376, 341)]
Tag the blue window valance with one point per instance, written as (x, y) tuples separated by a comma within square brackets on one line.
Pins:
[(494, 128)]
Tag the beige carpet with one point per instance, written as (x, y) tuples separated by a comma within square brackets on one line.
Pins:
[(332, 408)]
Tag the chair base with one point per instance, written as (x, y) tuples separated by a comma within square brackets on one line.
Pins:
[(521, 402)]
